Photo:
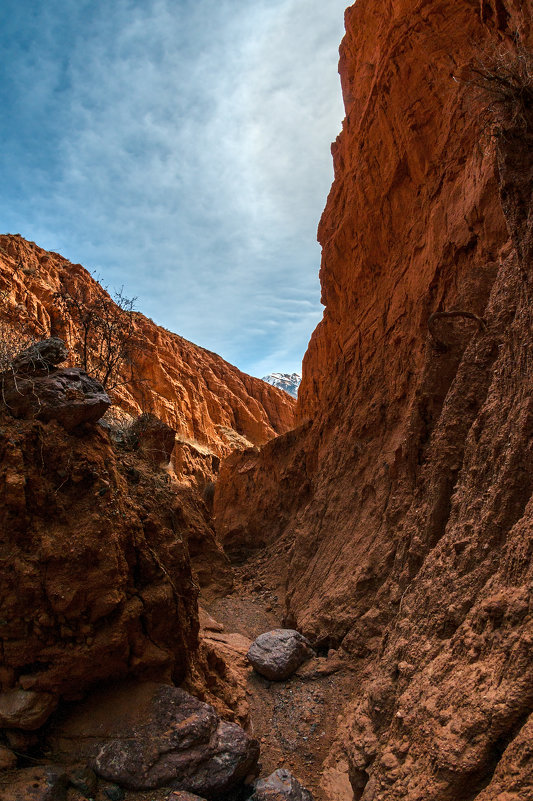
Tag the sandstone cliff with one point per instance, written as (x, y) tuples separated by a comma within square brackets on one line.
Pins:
[(404, 497), (205, 399)]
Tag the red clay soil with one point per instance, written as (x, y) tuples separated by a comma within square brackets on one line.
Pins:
[(403, 501)]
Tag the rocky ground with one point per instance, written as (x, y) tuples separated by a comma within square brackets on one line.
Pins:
[(294, 720)]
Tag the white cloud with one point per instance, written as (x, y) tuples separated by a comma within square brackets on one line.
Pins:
[(193, 163)]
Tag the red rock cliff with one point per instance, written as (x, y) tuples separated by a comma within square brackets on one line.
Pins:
[(404, 498), (195, 391)]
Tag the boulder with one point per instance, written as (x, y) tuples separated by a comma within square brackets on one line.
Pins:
[(154, 438), (280, 786), (48, 783), (278, 653), (149, 735), (179, 795), (42, 355), (25, 709), (67, 395)]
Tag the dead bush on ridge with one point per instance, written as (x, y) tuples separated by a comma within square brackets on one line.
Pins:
[(502, 81), (106, 344)]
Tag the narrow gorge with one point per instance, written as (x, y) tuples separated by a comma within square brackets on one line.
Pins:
[(386, 515)]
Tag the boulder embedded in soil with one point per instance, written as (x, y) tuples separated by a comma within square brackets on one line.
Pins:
[(278, 653), (67, 395), (36, 784), (149, 735), (25, 709), (280, 786)]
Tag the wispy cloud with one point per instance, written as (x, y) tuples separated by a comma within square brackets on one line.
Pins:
[(181, 149)]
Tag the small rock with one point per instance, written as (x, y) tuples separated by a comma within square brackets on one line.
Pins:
[(83, 779), (8, 759), (207, 622), (25, 709), (180, 795), (115, 793), (278, 653), (280, 786), (37, 784), (42, 355)]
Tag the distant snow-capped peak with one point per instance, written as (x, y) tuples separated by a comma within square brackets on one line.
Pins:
[(286, 381)]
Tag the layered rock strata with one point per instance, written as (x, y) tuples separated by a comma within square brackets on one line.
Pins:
[(404, 497)]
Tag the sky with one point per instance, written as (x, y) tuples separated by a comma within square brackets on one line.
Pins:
[(179, 149)]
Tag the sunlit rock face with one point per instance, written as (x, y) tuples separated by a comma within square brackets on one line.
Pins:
[(201, 396), (403, 497)]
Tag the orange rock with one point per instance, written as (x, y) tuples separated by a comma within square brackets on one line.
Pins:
[(194, 391), (406, 451)]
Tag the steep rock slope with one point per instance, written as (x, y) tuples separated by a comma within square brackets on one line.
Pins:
[(195, 391), (96, 578), (404, 497)]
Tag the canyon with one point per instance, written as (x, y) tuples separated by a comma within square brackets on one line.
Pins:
[(209, 402), (387, 515)]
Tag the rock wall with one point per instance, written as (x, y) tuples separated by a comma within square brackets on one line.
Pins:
[(195, 391), (96, 580), (404, 497)]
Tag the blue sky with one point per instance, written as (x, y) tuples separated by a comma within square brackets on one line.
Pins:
[(179, 148)]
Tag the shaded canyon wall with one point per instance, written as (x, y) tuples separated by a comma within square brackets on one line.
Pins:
[(403, 499)]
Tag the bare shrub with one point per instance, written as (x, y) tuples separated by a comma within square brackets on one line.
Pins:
[(502, 81), (107, 343)]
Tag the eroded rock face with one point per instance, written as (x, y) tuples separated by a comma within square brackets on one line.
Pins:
[(192, 390), (99, 584), (154, 439), (280, 786), (277, 654), (404, 499), (152, 735)]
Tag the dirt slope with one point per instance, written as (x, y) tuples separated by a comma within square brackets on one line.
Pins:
[(403, 499)]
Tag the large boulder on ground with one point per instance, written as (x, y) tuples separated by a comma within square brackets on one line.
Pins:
[(154, 438), (278, 653), (149, 735), (43, 355), (67, 395), (280, 786)]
